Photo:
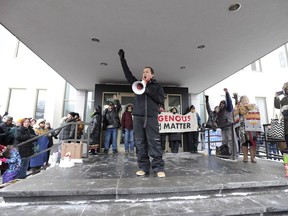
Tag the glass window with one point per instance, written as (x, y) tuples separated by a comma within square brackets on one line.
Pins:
[(8, 43), (174, 101), (108, 97), (89, 107), (282, 55), (17, 107), (41, 101), (256, 66), (70, 99), (261, 103)]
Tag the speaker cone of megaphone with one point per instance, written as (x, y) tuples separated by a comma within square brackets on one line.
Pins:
[(138, 87)]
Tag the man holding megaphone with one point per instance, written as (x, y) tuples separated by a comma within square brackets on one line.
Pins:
[(148, 99)]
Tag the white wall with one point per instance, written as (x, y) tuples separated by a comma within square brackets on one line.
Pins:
[(29, 72)]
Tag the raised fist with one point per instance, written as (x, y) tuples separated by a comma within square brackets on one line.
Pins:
[(121, 54), (206, 97)]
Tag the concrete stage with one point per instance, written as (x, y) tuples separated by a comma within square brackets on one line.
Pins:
[(195, 184)]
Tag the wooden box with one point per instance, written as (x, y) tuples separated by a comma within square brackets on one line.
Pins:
[(74, 149)]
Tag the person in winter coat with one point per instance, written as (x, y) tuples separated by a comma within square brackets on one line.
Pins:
[(10, 156), (145, 123), (127, 127), (22, 134), (225, 120), (111, 123), (174, 138), (68, 132), (6, 136), (283, 105), (212, 115), (80, 126), (246, 137), (95, 130), (50, 137), (193, 136)]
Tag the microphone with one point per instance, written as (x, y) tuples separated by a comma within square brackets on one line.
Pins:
[(138, 87)]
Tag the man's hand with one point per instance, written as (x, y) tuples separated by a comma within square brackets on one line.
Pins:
[(121, 54), (207, 98)]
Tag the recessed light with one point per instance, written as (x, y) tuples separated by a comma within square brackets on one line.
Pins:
[(234, 7), (183, 67), (95, 40), (103, 64), (201, 46)]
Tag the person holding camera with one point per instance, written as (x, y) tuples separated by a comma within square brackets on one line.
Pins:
[(283, 105)]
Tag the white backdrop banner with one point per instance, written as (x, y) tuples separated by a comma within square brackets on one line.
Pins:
[(175, 123)]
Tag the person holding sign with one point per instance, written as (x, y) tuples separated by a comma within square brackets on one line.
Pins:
[(247, 134)]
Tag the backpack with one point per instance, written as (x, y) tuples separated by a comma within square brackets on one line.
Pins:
[(224, 150)]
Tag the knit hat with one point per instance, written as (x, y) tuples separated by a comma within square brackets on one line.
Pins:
[(20, 121)]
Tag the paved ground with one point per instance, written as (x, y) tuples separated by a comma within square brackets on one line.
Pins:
[(195, 184)]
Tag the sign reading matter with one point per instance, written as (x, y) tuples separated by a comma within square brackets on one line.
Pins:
[(175, 123)]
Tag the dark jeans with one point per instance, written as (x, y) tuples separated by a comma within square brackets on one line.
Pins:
[(175, 146), (111, 132), (193, 141), (148, 144)]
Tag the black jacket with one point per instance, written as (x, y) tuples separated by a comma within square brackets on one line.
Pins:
[(111, 118), (23, 134), (95, 128), (149, 102)]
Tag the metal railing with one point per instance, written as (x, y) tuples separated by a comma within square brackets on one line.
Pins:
[(262, 148), (233, 155), (59, 143)]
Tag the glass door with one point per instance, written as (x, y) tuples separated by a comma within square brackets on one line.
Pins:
[(171, 100)]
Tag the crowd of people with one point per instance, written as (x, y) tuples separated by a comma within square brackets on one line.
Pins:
[(140, 128), (25, 144)]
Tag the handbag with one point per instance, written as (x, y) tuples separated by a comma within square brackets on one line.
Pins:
[(277, 128)]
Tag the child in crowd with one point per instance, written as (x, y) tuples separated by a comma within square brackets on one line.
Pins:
[(11, 156)]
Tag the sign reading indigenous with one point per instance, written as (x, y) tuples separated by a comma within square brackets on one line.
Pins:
[(174, 123)]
